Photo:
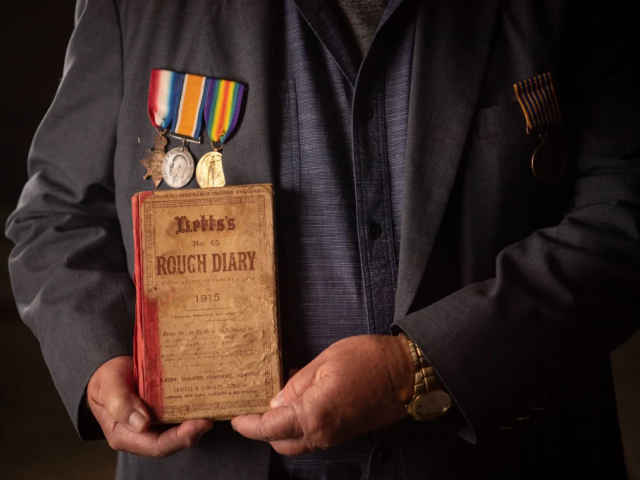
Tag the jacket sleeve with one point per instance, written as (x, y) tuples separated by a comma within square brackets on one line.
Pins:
[(565, 296), (68, 268)]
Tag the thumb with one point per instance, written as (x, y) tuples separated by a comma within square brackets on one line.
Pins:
[(298, 383), (113, 389)]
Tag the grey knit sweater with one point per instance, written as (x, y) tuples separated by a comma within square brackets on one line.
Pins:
[(363, 17)]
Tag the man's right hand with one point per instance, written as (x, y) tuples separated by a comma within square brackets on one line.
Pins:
[(125, 419)]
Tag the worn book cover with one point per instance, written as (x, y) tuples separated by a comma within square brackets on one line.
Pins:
[(206, 336)]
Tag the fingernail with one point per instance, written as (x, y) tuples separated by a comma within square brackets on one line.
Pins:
[(278, 401), (234, 427), (137, 420)]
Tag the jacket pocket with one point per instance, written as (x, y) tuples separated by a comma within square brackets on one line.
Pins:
[(503, 138), (500, 120), (499, 172)]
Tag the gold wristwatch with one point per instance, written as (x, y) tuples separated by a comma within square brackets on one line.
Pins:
[(430, 400)]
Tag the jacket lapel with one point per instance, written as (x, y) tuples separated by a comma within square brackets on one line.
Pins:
[(242, 37), (451, 50)]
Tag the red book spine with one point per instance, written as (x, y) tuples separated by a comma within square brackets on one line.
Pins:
[(147, 366)]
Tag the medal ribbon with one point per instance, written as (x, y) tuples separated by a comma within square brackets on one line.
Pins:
[(188, 107), (538, 100), (222, 109), (164, 88)]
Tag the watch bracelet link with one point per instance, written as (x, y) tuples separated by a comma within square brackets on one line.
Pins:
[(425, 379), (419, 385)]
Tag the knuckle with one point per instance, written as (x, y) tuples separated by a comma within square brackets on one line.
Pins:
[(293, 389), (117, 403), (189, 442), (114, 443), (109, 428), (322, 431), (264, 432), (316, 446), (316, 424), (93, 393), (306, 420), (162, 452), (299, 422)]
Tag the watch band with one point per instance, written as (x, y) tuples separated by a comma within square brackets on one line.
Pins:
[(419, 365), (430, 400), (429, 375)]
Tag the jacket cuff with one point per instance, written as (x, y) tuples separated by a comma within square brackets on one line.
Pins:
[(454, 419)]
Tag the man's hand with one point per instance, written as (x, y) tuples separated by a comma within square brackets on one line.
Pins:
[(356, 385), (125, 420)]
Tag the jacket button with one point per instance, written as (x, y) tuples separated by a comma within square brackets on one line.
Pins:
[(367, 112), (384, 455), (374, 230)]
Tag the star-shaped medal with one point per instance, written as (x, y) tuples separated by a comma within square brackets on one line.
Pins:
[(153, 163)]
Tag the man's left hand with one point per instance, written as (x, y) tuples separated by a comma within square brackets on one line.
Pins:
[(355, 386)]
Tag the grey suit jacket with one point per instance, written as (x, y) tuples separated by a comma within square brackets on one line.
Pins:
[(516, 290)]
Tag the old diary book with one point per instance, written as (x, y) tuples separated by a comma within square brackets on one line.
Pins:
[(206, 335)]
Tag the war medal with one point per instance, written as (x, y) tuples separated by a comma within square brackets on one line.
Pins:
[(177, 167), (537, 97), (163, 84), (221, 112), (209, 172), (153, 162), (549, 159), (178, 164)]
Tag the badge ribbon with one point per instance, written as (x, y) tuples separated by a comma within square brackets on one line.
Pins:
[(164, 87), (538, 100), (178, 165), (537, 97), (221, 113), (187, 122)]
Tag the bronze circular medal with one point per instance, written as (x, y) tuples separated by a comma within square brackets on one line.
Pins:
[(209, 171), (177, 167), (549, 161)]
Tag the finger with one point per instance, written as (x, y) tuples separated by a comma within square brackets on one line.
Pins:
[(156, 444), (106, 421), (279, 424), (291, 447), (182, 437), (292, 372), (116, 394)]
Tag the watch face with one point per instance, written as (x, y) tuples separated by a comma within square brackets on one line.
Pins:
[(431, 405)]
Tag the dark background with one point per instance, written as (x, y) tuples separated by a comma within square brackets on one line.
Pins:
[(37, 439)]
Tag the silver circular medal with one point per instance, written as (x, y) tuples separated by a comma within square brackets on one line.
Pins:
[(178, 167)]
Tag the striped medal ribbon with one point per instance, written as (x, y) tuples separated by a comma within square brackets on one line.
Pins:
[(187, 106), (537, 97), (221, 113), (164, 86)]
